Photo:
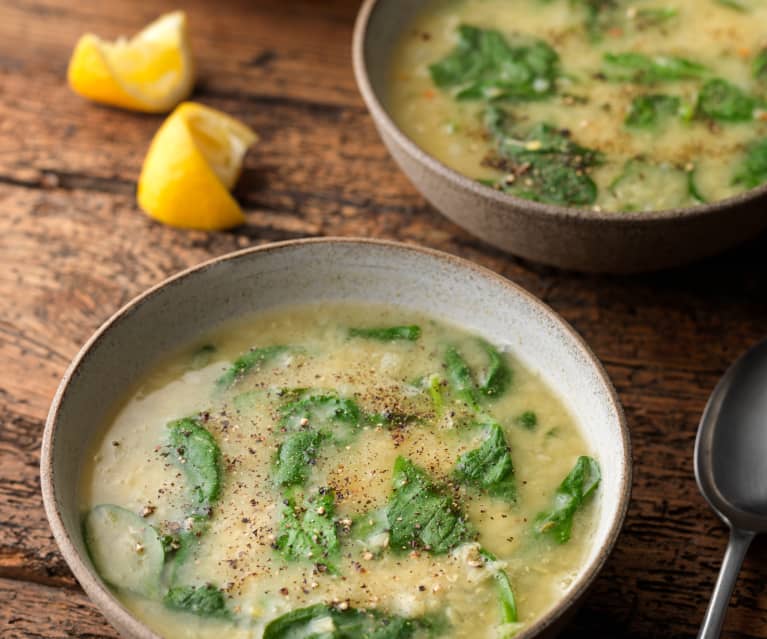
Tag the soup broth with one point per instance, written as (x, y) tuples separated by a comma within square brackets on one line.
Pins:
[(340, 471), (618, 105)]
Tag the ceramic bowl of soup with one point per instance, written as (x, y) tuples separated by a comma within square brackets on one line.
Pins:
[(336, 438), (614, 137)]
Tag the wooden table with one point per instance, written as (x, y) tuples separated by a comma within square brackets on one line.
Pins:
[(74, 247)]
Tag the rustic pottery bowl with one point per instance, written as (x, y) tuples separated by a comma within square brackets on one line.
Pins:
[(175, 312), (583, 240)]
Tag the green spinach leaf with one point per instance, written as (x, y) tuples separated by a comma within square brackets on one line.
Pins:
[(388, 334), (497, 376), (490, 383), (753, 171), (434, 384), (541, 140), (194, 450), (354, 624), (295, 457), (506, 597), (578, 486), (642, 69), (489, 467), (528, 420), (598, 15), (723, 101), (308, 532), (294, 623), (320, 410), (555, 183), (325, 622), (650, 185), (484, 65), (205, 601), (246, 363), (647, 110), (423, 515), (336, 417), (460, 378), (544, 164)]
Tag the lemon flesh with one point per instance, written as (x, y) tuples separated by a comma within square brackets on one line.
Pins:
[(153, 71), (194, 160)]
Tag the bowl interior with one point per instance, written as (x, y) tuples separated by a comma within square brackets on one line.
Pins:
[(448, 288), (380, 24), (386, 23)]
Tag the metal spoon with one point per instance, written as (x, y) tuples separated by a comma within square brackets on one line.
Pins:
[(731, 468)]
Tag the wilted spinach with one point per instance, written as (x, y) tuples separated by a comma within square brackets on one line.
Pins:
[(342, 624), (489, 467), (753, 170), (506, 597), (247, 362), (528, 420), (724, 101), (193, 448), (388, 334), (484, 65), (642, 69), (307, 531), (544, 164), (205, 601), (319, 410), (295, 457), (423, 515), (572, 493), (472, 388), (599, 14), (647, 110)]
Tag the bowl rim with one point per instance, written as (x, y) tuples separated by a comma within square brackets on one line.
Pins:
[(381, 116), (117, 614)]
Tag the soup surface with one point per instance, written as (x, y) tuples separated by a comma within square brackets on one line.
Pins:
[(340, 471), (619, 105)]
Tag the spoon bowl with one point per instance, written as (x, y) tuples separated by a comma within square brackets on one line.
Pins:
[(731, 468)]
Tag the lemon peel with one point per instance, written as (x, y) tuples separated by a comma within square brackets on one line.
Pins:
[(193, 161), (151, 72)]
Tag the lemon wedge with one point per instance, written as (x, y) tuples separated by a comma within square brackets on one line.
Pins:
[(194, 160), (151, 72)]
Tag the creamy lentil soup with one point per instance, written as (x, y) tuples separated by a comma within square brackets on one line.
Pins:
[(620, 105), (340, 471)]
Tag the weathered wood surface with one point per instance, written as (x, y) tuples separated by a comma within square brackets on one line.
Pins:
[(73, 248)]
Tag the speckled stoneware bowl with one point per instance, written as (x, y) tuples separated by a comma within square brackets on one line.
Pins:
[(583, 240), (177, 311)]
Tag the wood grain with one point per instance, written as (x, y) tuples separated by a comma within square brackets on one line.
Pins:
[(73, 248), (30, 610)]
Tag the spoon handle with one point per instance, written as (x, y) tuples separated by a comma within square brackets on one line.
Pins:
[(739, 542)]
